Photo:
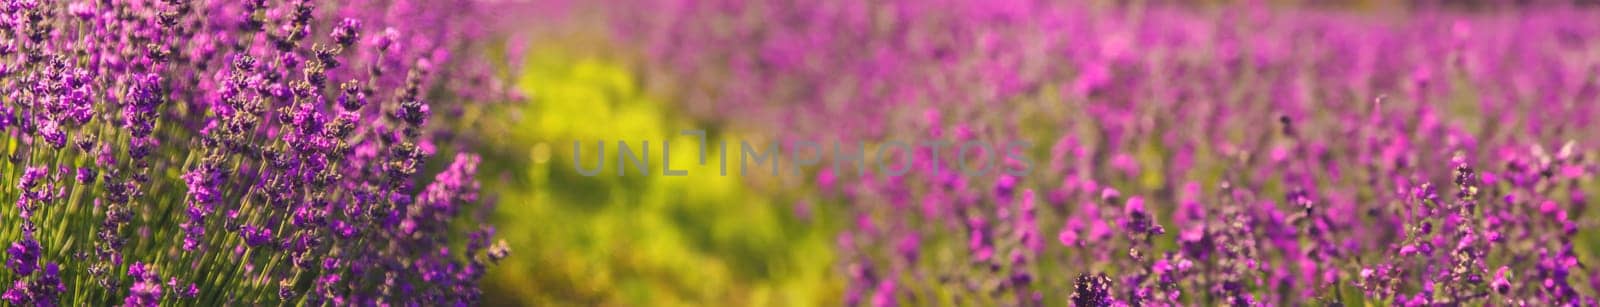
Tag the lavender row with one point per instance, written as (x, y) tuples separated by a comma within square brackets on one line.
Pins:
[(240, 152)]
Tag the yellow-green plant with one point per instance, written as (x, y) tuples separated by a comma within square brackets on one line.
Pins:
[(634, 239)]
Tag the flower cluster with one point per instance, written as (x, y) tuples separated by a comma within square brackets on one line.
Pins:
[(240, 152), (1192, 155)]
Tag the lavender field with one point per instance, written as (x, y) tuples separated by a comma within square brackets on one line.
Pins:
[(799, 153), (241, 153), (1186, 155)]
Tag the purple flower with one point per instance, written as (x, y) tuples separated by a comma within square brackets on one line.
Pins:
[(256, 236), (46, 289), (883, 295), (85, 175), (18, 294), (1092, 290), (203, 194), (146, 289), (189, 290), (347, 32), (1501, 283), (24, 256), (138, 111)]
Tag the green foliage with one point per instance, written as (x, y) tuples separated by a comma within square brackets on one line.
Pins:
[(634, 239)]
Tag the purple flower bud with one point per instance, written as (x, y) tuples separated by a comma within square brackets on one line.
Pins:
[(1092, 290), (256, 236), (1501, 284), (347, 32), (386, 41), (85, 175)]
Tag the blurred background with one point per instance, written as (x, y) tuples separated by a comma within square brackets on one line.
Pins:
[(616, 70)]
